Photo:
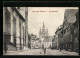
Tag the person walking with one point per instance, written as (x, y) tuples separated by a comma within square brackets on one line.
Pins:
[(44, 50), (60, 47), (42, 46)]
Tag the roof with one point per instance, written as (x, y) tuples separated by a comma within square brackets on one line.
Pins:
[(14, 9), (70, 15)]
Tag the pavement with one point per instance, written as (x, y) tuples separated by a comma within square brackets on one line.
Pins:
[(27, 51), (62, 52)]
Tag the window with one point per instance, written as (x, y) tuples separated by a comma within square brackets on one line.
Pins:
[(65, 17), (67, 29), (64, 31)]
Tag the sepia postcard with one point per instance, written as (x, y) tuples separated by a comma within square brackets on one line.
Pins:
[(41, 31)]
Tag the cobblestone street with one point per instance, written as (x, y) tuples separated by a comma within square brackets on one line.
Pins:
[(27, 51)]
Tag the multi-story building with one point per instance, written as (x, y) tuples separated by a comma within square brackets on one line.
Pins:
[(33, 41), (54, 42), (37, 43), (58, 36), (76, 34), (69, 19), (13, 29), (48, 42)]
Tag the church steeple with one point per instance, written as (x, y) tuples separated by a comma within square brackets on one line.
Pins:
[(47, 32), (40, 30), (43, 25)]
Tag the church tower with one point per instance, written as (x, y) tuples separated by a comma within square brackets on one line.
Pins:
[(43, 28), (43, 25), (47, 32), (43, 32), (40, 34)]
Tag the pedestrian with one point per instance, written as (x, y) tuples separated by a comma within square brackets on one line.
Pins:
[(44, 50), (40, 52), (5, 47), (5, 43), (60, 48)]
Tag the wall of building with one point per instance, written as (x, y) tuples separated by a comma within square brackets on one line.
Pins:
[(68, 28), (14, 28)]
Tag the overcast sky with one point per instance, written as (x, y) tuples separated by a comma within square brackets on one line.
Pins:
[(51, 19)]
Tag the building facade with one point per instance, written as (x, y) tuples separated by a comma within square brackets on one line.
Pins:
[(68, 29), (48, 42), (37, 43), (33, 41), (13, 29), (76, 34), (58, 37), (54, 42)]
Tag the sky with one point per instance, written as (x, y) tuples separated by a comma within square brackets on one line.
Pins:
[(51, 16)]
